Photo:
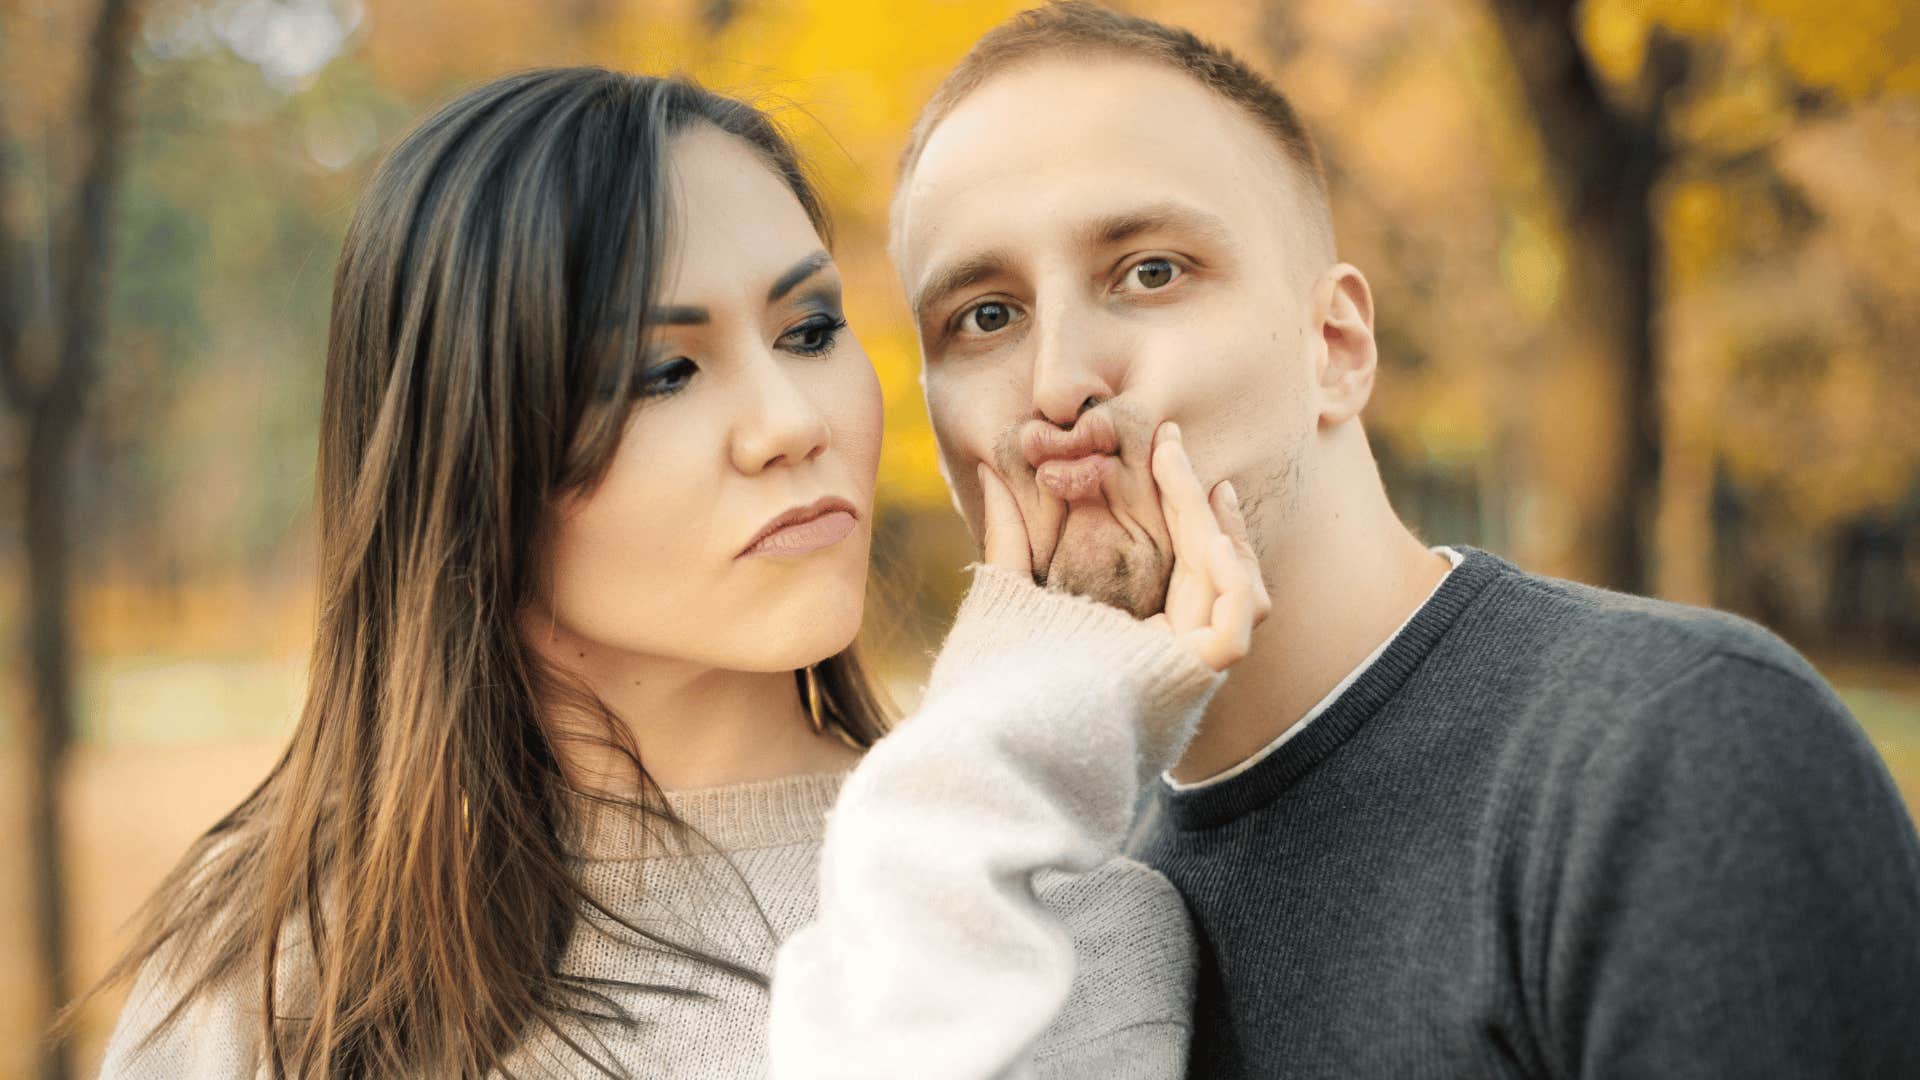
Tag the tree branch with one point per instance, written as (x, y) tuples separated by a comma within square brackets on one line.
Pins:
[(1588, 141), (89, 239), (16, 388), (53, 419)]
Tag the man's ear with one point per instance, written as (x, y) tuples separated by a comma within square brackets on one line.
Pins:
[(1343, 308)]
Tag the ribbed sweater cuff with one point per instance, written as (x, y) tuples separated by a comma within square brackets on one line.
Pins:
[(1081, 643)]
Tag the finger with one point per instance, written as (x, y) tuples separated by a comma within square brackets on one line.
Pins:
[(1160, 460), (1229, 633), (1180, 495), (1225, 501), (1003, 530), (1233, 611), (1191, 528), (1163, 437)]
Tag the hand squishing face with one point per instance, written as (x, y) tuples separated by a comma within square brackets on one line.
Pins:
[(1095, 523), (1092, 247)]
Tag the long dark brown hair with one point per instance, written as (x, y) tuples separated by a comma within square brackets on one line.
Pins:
[(414, 839)]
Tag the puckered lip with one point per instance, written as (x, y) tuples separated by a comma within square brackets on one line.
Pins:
[(818, 508), (1093, 433)]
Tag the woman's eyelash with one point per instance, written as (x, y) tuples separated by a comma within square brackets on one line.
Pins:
[(815, 337), (667, 379), (824, 332)]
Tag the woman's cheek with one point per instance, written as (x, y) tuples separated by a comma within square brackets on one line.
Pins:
[(866, 422)]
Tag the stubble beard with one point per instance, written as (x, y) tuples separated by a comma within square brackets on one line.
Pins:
[(1130, 575)]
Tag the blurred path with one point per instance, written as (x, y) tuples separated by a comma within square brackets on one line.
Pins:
[(132, 811)]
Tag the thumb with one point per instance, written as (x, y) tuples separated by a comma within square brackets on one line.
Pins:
[(1003, 531)]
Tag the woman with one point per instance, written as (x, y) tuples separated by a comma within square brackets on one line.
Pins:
[(595, 489)]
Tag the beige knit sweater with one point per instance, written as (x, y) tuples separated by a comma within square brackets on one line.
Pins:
[(977, 922)]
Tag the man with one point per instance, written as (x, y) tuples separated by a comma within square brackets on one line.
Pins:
[(1447, 818)]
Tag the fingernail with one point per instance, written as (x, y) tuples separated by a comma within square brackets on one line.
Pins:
[(1173, 430), (1233, 497)]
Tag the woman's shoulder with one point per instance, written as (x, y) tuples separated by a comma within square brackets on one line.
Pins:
[(194, 1008), (211, 1037), (165, 1031), (1134, 956), (1119, 894)]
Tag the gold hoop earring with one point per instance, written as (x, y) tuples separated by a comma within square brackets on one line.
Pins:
[(813, 701)]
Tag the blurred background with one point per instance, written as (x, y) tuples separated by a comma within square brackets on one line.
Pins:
[(1648, 276)]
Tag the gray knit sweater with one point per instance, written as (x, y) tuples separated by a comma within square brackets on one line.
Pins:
[(1556, 832)]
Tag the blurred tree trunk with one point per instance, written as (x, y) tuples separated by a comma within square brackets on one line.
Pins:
[(46, 373), (1605, 160)]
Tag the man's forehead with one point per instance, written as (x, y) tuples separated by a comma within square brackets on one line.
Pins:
[(1054, 143)]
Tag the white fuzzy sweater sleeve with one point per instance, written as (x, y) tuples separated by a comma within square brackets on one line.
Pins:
[(931, 955)]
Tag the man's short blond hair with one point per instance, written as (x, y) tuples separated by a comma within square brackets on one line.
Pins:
[(1076, 29)]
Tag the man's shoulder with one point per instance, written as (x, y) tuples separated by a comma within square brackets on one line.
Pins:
[(1628, 648), (1609, 692)]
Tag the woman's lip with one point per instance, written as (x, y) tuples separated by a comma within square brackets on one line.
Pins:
[(804, 537), (779, 531), (1075, 479)]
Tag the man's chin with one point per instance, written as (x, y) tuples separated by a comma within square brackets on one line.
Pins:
[(1098, 559)]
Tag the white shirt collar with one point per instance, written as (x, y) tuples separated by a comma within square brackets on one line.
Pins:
[(1333, 695)]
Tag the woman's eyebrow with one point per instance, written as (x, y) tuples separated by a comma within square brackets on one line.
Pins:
[(798, 273), (694, 315), (677, 315)]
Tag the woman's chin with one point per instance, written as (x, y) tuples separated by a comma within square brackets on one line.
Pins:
[(806, 629), (816, 615)]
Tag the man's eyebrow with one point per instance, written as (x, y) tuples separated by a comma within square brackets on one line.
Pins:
[(1118, 228), (799, 272), (953, 277)]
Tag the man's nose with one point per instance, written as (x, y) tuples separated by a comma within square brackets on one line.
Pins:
[(1072, 371), (777, 423)]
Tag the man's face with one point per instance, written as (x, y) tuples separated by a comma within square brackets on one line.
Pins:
[(1093, 247)]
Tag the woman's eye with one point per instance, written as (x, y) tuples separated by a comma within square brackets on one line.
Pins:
[(667, 378), (815, 337), (987, 318), (1154, 273)]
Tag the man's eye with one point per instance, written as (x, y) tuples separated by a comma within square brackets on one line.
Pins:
[(987, 318), (1154, 273)]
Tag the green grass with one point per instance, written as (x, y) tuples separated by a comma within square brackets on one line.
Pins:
[(1891, 718)]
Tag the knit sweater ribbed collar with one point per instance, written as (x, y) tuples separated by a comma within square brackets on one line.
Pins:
[(1218, 804), (731, 818)]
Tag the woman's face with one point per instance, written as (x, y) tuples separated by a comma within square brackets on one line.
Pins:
[(755, 406)]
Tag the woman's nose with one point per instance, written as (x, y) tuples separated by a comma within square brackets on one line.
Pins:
[(779, 424)]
